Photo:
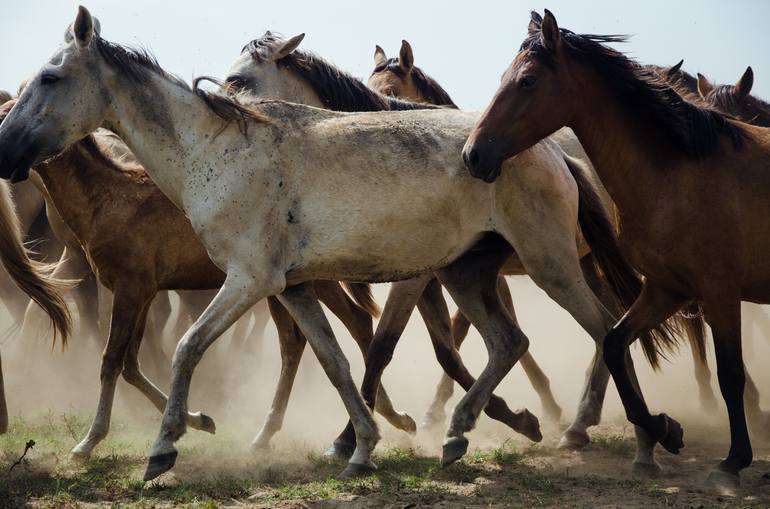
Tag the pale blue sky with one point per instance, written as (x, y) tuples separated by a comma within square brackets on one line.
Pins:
[(464, 45)]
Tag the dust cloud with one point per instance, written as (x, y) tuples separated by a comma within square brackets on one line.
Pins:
[(235, 384)]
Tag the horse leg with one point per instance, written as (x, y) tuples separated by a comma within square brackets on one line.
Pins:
[(652, 307), (597, 376), (359, 324), (292, 343), (239, 292), (537, 378), (708, 402), (127, 311), (133, 374), (724, 316), (435, 314), (303, 304), (472, 282), (401, 301), (86, 298), (758, 420), (436, 413)]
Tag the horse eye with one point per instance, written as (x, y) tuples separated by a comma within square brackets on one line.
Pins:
[(527, 81), (48, 79)]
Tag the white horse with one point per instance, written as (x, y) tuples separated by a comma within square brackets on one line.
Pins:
[(282, 194)]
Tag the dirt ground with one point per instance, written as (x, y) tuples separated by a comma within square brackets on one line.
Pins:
[(52, 396), (220, 471)]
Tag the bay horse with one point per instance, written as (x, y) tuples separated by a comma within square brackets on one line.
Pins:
[(274, 67), (141, 244), (666, 163), (400, 78), (282, 194)]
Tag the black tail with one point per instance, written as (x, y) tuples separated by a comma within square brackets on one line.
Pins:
[(362, 295), (625, 283)]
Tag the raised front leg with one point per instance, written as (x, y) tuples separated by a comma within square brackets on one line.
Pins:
[(653, 306), (236, 296), (302, 303)]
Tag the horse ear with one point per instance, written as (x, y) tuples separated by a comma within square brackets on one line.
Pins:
[(535, 21), (674, 69), (379, 56), (549, 31), (405, 56), (704, 86), (287, 47), (83, 27), (743, 87), (22, 86)]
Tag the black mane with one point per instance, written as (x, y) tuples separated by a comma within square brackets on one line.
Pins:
[(338, 90), (694, 129)]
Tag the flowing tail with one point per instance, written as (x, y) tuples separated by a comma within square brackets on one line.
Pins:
[(34, 278), (362, 295), (621, 277)]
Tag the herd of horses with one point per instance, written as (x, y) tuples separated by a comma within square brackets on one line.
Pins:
[(632, 195)]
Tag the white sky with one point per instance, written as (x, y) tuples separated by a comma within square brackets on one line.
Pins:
[(465, 45)]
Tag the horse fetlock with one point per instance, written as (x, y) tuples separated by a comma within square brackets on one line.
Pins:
[(673, 436), (201, 422), (574, 439)]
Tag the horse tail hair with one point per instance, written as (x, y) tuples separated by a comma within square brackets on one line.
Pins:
[(32, 277), (362, 295), (623, 280)]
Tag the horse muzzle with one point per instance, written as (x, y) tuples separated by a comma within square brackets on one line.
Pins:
[(483, 163)]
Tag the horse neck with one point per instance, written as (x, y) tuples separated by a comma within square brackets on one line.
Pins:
[(164, 125), (624, 149)]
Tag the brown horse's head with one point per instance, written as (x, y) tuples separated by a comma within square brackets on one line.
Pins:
[(399, 77), (393, 76), (736, 99), (535, 98)]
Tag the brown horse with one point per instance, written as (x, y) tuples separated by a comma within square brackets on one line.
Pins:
[(140, 244), (690, 183), (399, 77)]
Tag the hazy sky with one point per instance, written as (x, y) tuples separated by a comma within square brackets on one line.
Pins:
[(464, 45)]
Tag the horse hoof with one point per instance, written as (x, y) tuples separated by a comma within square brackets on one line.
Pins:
[(530, 426), (340, 451), (573, 440), (647, 470), (433, 421), (672, 441), (159, 464), (724, 482), (358, 470), (260, 446), (202, 422), (452, 450), (80, 453)]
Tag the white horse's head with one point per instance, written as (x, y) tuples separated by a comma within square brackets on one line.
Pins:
[(62, 103), (263, 70)]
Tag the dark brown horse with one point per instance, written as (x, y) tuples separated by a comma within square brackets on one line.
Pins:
[(691, 186)]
